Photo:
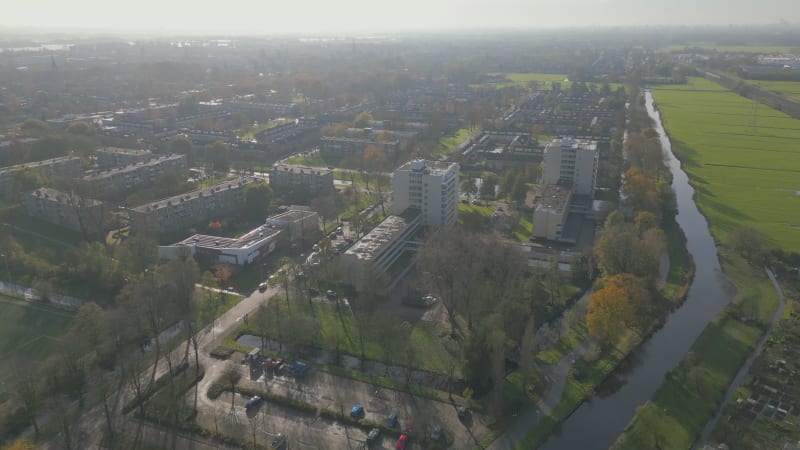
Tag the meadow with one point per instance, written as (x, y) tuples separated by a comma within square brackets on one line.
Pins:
[(775, 49), (742, 159), (789, 89)]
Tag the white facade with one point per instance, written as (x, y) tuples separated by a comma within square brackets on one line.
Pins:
[(551, 212), (429, 186), (571, 162)]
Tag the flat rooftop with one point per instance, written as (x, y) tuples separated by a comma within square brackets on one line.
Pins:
[(131, 167), (126, 151), (293, 215), (554, 197), (60, 197), (367, 247), (252, 237), (206, 192), (295, 168), (35, 164), (427, 166)]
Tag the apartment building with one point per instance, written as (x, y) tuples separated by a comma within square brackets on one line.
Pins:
[(120, 180), (429, 186), (190, 209), (117, 157), (66, 210), (571, 163), (67, 166), (292, 178)]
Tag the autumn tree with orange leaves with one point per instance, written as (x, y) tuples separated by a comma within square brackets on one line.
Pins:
[(611, 310)]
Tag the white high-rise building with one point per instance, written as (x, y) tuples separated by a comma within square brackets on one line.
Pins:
[(572, 163), (429, 186)]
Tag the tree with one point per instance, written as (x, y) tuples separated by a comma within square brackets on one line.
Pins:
[(362, 120), (326, 206), (621, 250), (374, 159), (88, 324), (230, 376), (81, 128), (747, 242), (468, 186), (609, 313), (239, 120), (488, 186), (641, 192), (188, 106), (257, 199), (183, 146), (219, 155)]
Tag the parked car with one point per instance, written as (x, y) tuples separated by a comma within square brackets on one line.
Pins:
[(331, 295), (373, 436), (401, 442), (437, 434), (462, 412), (357, 411), (262, 287), (340, 231), (253, 402), (391, 421), (279, 441)]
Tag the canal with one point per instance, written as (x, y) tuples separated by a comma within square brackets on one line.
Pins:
[(597, 423)]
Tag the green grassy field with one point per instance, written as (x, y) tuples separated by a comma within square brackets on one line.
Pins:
[(30, 331), (733, 48), (742, 175), (789, 89), (691, 392), (544, 80)]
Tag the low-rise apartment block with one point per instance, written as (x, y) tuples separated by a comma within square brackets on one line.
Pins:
[(67, 166), (117, 157), (311, 180), (67, 210), (186, 210), (388, 250), (121, 180)]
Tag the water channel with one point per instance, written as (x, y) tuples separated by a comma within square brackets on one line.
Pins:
[(597, 423)]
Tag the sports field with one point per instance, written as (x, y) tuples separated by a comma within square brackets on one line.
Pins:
[(743, 158), (30, 331)]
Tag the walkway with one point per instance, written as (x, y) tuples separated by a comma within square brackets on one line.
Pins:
[(557, 375)]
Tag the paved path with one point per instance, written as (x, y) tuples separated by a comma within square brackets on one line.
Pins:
[(557, 376), (745, 369)]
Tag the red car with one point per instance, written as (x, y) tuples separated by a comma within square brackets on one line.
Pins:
[(401, 443)]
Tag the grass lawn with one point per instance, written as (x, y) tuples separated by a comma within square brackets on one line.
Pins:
[(690, 393), (474, 217), (554, 353), (741, 175), (250, 132), (312, 161), (449, 142), (333, 321), (523, 229), (679, 261), (30, 330)]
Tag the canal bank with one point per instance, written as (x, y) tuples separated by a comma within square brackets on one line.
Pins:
[(597, 423), (690, 393)]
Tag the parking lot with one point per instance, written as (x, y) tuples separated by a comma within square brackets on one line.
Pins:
[(338, 394)]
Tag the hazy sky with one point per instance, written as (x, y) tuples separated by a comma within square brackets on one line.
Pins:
[(305, 16)]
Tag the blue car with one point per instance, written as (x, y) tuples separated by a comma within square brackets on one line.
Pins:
[(357, 412)]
